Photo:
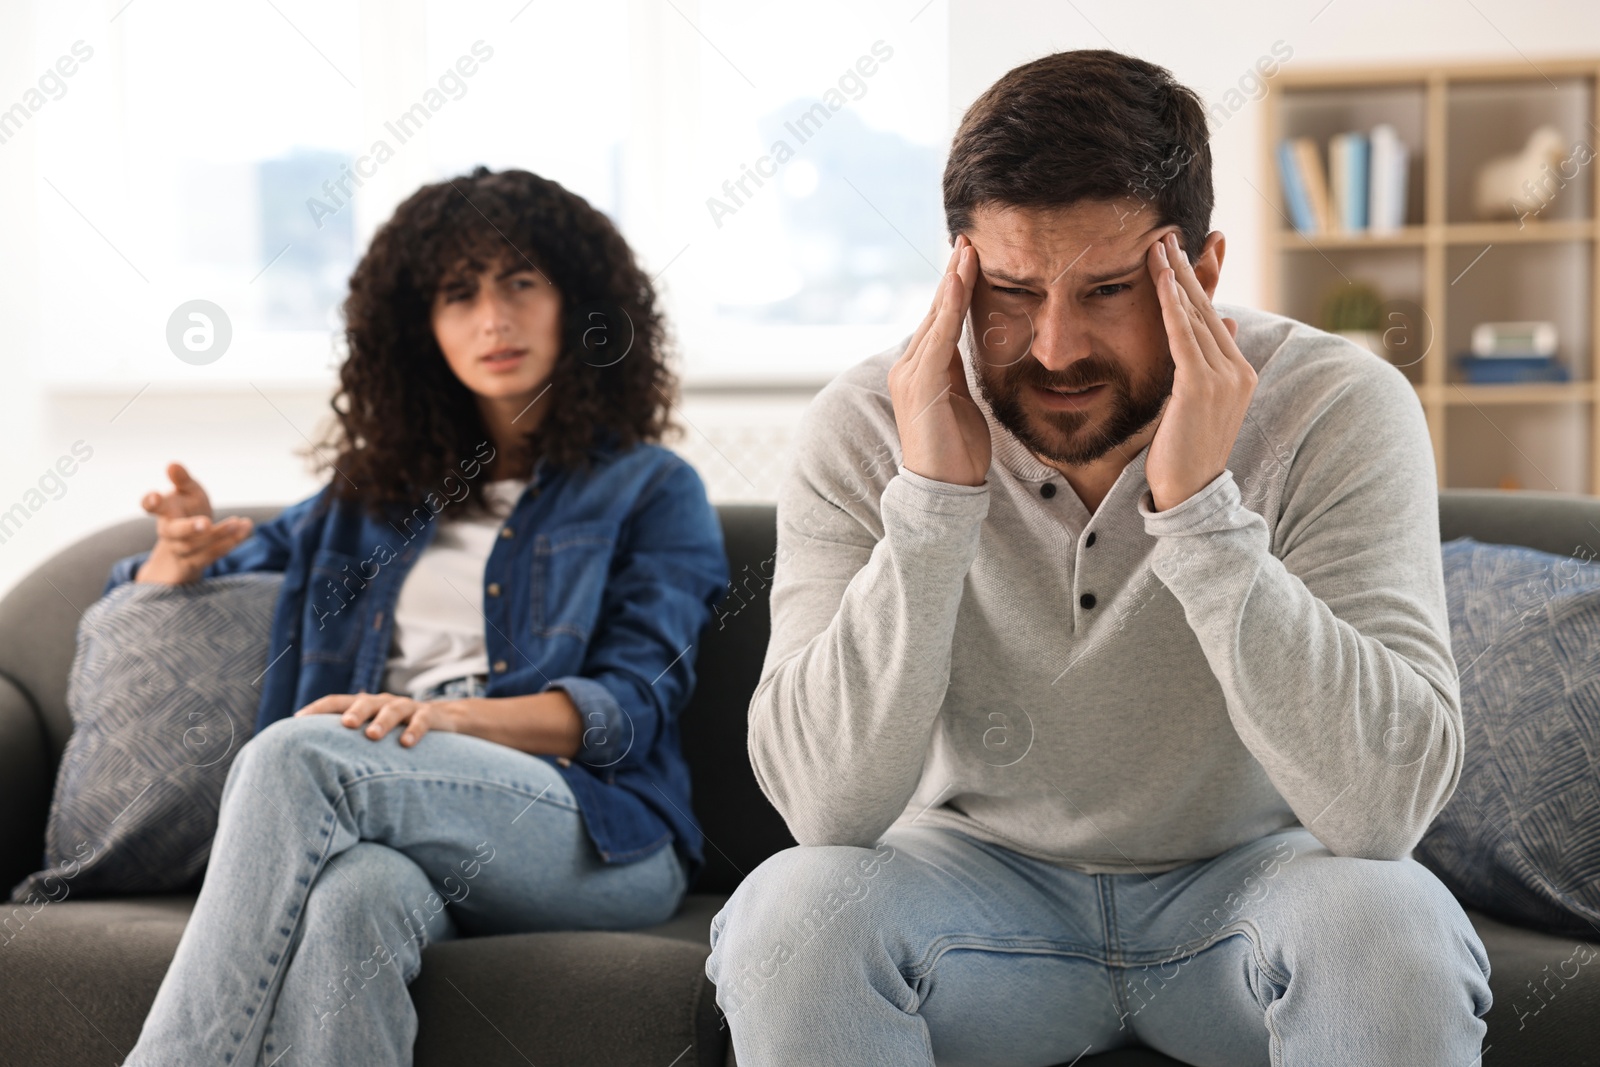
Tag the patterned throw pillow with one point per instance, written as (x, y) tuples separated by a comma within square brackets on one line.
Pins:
[(1520, 838), (164, 689)]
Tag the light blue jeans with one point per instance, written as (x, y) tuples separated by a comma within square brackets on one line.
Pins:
[(936, 947), (338, 859)]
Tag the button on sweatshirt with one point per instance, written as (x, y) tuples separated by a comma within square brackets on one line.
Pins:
[(1129, 690)]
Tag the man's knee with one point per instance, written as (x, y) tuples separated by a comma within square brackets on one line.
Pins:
[(1346, 889), (805, 907), (1394, 909)]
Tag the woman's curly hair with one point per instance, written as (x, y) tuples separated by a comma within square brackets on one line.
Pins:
[(404, 421)]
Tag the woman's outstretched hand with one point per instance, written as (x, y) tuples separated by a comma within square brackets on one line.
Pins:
[(187, 541)]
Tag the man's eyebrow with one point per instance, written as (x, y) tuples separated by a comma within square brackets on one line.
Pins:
[(1096, 279)]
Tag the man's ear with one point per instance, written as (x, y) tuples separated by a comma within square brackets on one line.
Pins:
[(1208, 268)]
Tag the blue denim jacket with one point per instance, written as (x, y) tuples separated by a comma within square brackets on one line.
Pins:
[(599, 584)]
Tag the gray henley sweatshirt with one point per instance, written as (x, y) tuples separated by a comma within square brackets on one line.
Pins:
[(1123, 691)]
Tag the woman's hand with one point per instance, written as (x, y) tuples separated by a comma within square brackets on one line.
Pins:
[(187, 541), (943, 435), (385, 710), (1211, 388)]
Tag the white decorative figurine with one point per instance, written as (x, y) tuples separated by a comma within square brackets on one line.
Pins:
[(1524, 184)]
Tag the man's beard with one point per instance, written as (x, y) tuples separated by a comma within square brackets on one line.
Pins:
[(1074, 438)]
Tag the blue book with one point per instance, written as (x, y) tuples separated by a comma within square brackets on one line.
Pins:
[(1508, 370), (1347, 176), (1357, 176), (1294, 190)]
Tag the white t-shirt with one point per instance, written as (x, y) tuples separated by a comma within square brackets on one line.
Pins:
[(438, 617)]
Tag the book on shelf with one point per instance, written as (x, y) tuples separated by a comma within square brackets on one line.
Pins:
[(1387, 177), (1362, 188), (1511, 369), (1294, 190), (1347, 177), (1309, 159)]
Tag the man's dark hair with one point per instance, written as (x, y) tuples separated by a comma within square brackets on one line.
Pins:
[(1085, 125)]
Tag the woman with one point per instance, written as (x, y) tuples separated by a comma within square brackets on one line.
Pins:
[(484, 636)]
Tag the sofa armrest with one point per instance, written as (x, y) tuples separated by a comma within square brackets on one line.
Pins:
[(27, 779)]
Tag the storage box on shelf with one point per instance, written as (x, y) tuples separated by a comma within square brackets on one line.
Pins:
[(1447, 269)]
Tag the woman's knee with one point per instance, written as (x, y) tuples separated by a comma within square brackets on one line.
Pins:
[(379, 893), (289, 744), (355, 937), (368, 871)]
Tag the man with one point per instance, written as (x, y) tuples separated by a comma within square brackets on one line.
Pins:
[(1110, 682)]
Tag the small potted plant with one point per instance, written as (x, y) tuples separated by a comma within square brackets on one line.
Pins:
[(1353, 310)]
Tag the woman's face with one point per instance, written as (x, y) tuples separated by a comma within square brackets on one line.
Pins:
[(500, 330)]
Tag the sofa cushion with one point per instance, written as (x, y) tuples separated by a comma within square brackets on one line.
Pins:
[(740, 825), (595, 997), (163, 692), (78, 978), (1520, 838), (517, 991)]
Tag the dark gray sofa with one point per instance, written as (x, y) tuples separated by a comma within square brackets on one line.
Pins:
[(77, 977)]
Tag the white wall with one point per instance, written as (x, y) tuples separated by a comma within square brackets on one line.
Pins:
[(1210, 46), (241, 444)]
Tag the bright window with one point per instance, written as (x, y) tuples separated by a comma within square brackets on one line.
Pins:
[(777, 169)]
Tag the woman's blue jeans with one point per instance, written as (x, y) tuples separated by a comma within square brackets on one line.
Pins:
[(937, 947), (338, 859)]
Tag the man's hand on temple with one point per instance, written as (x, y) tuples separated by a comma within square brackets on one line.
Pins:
[(943, 435), (1211, 387)]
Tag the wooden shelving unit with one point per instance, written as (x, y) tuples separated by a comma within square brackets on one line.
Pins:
[(1460, 270)]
